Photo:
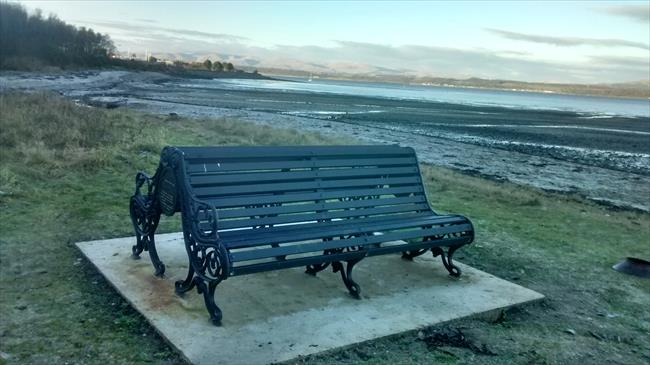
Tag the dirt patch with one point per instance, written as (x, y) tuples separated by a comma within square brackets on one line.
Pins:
[(453, 337)]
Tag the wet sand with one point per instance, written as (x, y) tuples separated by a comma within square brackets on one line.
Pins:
[(606, 159)]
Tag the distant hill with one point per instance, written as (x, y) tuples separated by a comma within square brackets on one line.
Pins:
[(637, 89)]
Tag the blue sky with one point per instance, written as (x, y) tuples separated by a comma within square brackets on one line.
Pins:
[(531, 41)]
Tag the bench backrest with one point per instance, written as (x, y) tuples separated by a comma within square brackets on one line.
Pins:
[(256, 187)]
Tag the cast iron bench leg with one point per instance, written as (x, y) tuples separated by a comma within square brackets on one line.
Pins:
[(346, 275), (205, 271), (447, 259), (153, 255), (183, 286), (145, 221), (437, 251), (207, 289)]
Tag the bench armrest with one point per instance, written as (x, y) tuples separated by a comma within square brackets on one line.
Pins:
[(140, 179), (210, 235), (219, 264)]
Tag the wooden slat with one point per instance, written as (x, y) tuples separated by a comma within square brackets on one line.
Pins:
[(300, 197), (313, 207), (295, 233), (296, 262), (290, 151), (218, 179), (308, 217), (304, 164), (256, 254), (274, 187), (302, 261)]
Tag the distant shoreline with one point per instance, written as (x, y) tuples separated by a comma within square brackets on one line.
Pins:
[(520, 86), (533, 91), (204, 74)]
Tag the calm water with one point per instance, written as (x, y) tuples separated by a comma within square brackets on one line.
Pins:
[(595, 107)]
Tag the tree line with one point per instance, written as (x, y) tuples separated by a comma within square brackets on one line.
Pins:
[(33, 42), (218, 66), (208, 65), (30, 41)]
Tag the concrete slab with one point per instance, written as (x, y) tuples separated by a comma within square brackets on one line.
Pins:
[(278, 316)]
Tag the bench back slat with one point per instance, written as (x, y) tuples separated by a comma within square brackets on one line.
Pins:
[(316, 207), (234, 152), (283, 187), (306, 217), (204, 166), (298, 175), (300, 232), (264, 199)]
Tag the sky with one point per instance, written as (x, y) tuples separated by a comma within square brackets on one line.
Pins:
[(547, 41)]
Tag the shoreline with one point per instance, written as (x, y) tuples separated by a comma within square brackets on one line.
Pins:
[(468, 87)]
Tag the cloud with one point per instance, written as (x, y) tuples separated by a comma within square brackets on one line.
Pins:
[(344, 56), (640, 13), (463, 63), (157, 31), (567, 41), (145, 20)]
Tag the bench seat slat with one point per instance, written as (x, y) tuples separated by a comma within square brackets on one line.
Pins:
[(295, 249), (302, 261), (302, 232), (230, 237)]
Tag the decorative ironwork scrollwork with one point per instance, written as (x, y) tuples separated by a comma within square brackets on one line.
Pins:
[(313, 269), (208, 266), (438, 251), (410, 255), (206, 230), (337, 266), (145, 216)]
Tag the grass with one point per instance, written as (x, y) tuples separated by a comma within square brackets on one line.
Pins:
[(66, 173)]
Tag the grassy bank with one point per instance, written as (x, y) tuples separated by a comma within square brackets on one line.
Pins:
[(65, 176)]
